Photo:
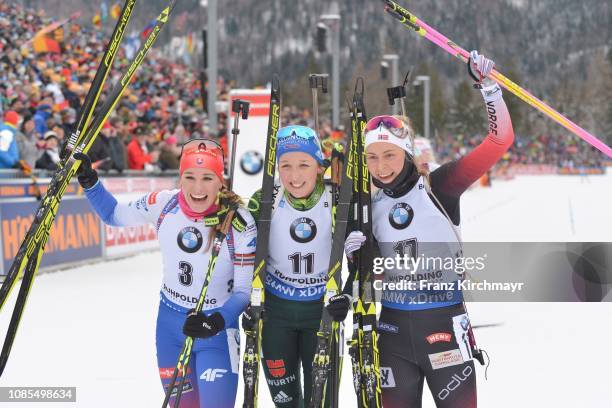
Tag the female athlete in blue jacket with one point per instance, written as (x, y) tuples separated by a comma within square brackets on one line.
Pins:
[(186, 220)]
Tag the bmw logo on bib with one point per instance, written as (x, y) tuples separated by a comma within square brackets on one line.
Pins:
[(401, 215), (189, 239), (251, 162), (303, 230)]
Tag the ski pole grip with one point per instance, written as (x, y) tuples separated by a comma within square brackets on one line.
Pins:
[(242, 107), (312, 81), (318, 81), (324, 84), (394, 93)]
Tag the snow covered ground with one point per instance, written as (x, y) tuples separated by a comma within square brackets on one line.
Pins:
[(93, 327)]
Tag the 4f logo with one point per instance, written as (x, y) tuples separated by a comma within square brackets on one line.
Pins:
[(212, 374)]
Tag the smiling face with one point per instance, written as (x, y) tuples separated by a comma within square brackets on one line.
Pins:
[(298, 173), (385, 161), (51, 143), (200, 187), (29, 126)]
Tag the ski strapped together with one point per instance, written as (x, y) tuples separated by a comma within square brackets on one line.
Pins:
[(30, 252), (226, 219), (363, 347), (84, 115), (99, 80), (329, 331), (414, 23), (252, 351)]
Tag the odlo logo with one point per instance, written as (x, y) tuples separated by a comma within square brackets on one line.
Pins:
[(455, 382), (212, 374)]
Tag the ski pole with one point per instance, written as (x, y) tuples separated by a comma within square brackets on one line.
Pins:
[(240, 108), (399, 93), (315, 81), (337, 327), (184, 358), (414, 23)]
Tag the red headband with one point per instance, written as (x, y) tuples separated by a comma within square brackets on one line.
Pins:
[(203, 159)]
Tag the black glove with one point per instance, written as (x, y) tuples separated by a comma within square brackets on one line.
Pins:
[(87, 176), (248, 319), (338, 307), (201, 326)]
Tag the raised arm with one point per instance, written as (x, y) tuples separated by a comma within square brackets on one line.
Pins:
[(145, 210), (454, 178)]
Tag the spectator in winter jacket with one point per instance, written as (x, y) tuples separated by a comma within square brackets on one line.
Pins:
[(50, 157), (43, 112), (140, 155), (68, 121), (169, 154), (27, 142), (9, 155), (108, 150)]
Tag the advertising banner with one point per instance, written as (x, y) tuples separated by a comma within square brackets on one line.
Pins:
[(76, 234), (25, 187), (251, 144), (129, 240)]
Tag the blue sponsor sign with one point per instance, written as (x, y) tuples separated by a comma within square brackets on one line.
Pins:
[(76, 234)]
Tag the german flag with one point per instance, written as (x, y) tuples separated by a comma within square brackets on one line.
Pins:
[(42, 44), (58, 35)]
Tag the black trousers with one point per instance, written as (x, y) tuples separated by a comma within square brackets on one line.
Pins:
[(426, 344)]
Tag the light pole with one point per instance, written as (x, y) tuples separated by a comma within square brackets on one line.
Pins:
[(211, 56), (394, 60), (333, 22), (425, 80)]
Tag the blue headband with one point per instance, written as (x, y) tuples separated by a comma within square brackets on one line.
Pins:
[(298, 139)]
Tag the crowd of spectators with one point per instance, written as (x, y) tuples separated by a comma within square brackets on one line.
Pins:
[(41, 93), (527, 149)]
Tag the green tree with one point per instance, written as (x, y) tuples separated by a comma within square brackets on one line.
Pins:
[(606, 117), (465, 115)]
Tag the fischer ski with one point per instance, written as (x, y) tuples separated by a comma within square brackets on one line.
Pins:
[(97, 85), (363, 347), (329, 331), (31, 250), (83, 119), (252, 351)]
